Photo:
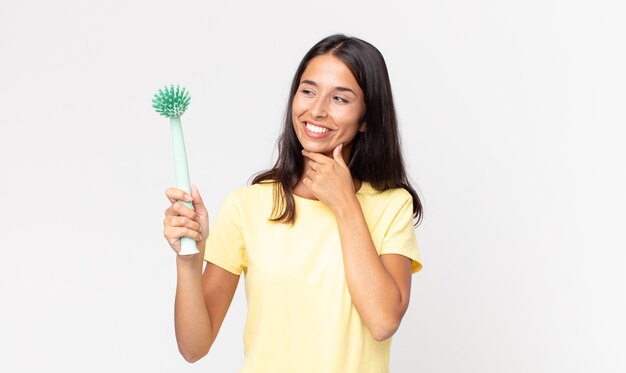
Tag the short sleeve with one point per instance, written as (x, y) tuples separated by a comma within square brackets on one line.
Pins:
[(400, 236), (225, 245)]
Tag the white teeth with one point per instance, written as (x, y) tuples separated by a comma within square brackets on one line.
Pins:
[(316, 129)]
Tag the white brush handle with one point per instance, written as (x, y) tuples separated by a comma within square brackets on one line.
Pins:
[(187, 244)]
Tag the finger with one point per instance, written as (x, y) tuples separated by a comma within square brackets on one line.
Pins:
[(175, 194), (338, 156), (314, 165), (307, 182), (312, 175), (172, 210), (178, 232), (181, 221), (179, 209), (197, 199), (317, 157)]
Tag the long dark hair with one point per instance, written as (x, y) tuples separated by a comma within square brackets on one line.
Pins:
[(376, 155)]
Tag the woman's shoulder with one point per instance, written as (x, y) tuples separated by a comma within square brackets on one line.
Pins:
[(248, 200), (253, 192), (369, 191), (382, 206)]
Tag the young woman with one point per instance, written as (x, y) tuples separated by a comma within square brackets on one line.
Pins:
[(325, 238)]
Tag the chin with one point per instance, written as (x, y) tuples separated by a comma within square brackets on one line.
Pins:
[(317, 148)]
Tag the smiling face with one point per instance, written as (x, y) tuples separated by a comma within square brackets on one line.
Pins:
[(327, 106)]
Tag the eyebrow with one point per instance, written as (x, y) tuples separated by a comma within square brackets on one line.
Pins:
[(342, 89)]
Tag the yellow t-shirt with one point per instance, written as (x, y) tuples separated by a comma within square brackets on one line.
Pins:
[(300, 313)]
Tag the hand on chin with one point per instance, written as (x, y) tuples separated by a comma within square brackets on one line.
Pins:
[(328, 178)]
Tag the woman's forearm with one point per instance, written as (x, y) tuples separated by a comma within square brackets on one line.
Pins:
[(374, 293), (191, 318)]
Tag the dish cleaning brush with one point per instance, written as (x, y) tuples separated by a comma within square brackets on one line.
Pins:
[(172, 102)]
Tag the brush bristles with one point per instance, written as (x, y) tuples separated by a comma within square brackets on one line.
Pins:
[(171, 102)]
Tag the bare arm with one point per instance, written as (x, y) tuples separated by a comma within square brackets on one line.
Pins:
[(379, 286), (202, 301)]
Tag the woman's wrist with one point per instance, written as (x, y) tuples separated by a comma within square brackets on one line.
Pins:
[(349, 207), (189, 262)]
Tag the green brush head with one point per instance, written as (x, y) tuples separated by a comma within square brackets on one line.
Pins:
[(171, 102)]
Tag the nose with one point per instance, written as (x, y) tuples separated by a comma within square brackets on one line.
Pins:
[(318, 108)]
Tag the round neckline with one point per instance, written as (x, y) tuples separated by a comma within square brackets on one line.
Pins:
[(364, 185)]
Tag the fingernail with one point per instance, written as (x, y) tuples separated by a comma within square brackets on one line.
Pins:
[(188, 197)]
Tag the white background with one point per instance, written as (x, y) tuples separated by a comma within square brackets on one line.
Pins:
[(509, 116)]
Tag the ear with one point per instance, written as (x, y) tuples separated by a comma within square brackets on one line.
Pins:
[(363, 127)]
